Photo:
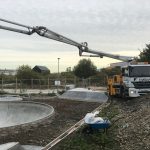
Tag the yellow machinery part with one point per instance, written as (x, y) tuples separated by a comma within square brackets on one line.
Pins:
[(113, 84)]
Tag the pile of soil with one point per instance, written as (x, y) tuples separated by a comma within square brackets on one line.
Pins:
[(67, 113)]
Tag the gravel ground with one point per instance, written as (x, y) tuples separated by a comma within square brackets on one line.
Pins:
[(134, 123), (67, 113)]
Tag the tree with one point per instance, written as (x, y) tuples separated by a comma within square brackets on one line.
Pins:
[(101, 77), (145, 54), (25, 73), (111, 71), (85, 68), (68, 69)]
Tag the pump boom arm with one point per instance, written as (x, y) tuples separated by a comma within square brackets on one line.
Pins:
[(43, 31)]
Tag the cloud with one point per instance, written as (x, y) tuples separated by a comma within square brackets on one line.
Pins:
[(114, 26)]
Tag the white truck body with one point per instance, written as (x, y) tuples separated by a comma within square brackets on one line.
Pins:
[(136, 79)]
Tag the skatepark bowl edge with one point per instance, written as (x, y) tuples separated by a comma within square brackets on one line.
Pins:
[(15, 114)]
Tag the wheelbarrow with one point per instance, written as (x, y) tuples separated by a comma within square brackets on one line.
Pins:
[(101, 125), (95, 123)]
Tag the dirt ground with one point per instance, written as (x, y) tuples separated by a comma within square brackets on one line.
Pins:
[(67, 113)]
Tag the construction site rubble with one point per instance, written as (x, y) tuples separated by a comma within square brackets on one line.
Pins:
[(134, 123)]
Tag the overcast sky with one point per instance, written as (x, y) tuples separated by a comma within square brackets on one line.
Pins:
[(112, 26)]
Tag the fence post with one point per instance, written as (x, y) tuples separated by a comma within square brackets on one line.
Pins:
[(48, 83), (89, 82), (40, 84), (2, 85), (32, 83), (16, 86), (65, 83), (20, 86), (75, 81)]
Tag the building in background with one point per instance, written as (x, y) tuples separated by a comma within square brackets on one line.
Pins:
[(41, 69), (8, 71)]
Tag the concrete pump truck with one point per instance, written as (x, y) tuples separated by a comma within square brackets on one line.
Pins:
[(132, 82)]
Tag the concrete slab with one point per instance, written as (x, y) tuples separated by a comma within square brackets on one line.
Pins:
[(11, 146), (31, 147), (83, 94), (17, 146), (20, 113)]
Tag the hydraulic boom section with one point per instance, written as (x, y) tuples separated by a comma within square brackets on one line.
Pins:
[(43, 31)]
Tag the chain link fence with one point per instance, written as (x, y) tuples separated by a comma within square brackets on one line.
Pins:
[(47, 85)]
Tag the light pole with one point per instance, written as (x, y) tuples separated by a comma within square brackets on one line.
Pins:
[(58, 67), (58, 82)]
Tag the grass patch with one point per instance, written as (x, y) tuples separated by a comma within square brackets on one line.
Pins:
[(97, 140)]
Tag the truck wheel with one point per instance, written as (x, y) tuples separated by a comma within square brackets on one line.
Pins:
[(123, 94)]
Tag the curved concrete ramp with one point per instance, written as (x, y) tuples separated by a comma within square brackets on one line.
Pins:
[(17, 146), (83, 94), (18, 113), (10, 98)]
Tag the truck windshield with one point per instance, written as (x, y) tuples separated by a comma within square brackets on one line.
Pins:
[(139, 71)]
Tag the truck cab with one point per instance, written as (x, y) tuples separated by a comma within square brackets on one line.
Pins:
[(136, 79)]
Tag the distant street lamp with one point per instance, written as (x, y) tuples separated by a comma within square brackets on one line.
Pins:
[(58, 80), (58, 67)]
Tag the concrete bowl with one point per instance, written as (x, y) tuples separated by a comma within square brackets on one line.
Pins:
[(16, 113)]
